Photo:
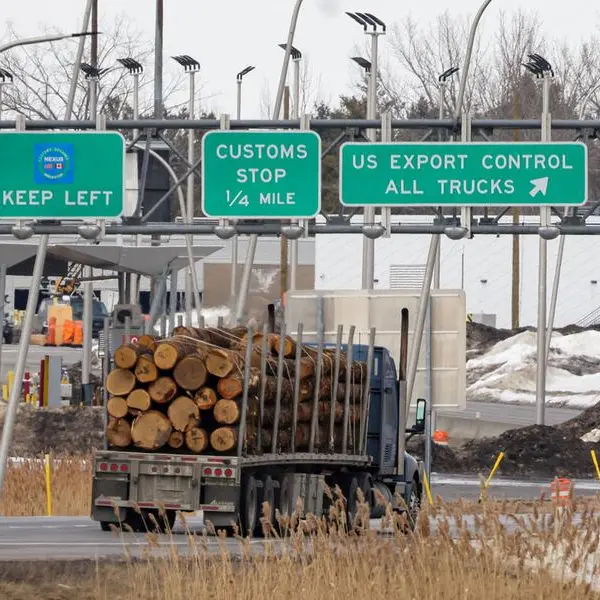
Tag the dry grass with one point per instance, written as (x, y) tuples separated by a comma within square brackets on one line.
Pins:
[(329, 562), (24, 492), (319, 559)]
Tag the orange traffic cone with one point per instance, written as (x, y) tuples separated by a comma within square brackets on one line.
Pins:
[(51, 336), (78, 334)]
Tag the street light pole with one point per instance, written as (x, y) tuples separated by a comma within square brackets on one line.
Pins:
[(442, 81), (235, 239), (190, 66), (135, 70), (296, 58), (367, 20), (542, 69), (242, 296)]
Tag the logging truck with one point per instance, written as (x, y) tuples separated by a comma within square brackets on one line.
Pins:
[(223, 420)]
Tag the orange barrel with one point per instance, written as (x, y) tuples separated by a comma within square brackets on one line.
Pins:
[(562, 492), (51, 337), (441, 437), (78, 334), (68, 332)]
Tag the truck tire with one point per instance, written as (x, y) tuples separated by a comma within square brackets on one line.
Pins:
[(365, 483), (350, 488), (378, 510), (284, 502), (269, 495), (249, 506), (105, 525), (414, 502)]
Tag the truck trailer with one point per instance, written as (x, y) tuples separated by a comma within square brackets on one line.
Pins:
[(129, 486)]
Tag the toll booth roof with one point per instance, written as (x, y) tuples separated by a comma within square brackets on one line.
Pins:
[(144, 260)]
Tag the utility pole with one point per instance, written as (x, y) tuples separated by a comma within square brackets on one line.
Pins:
[(94, 43), (283, 251)]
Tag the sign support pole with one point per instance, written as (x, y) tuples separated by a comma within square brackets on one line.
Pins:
[(32, 300), (540, 388), (2, 300)]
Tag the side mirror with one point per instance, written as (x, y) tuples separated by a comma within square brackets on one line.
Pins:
[(420, 417)]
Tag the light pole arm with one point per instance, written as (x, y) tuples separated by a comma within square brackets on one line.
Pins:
[(465, 70), (42, 39), (286, 59)]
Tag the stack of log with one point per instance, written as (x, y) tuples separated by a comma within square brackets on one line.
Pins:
[(184, 394)]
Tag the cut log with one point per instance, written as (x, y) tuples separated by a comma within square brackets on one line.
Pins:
[(118, 433), (224, 338), (220, 362), (223, 439), (169, 352), (233, 386), (176, 439), (326, 389), (163, 390), (183, 413), (117, 407), (288, 345), (138, 401), (190, 373), (226, 412), (284, 437), (126, 356), (120, 382), (151, 430), (286, 414), (205, 398), (145, 369), (147, 342), (196, 439)]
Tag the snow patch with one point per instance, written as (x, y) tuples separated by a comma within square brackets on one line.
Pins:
[(507, 372)]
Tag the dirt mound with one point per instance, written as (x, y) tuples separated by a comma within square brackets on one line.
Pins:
[(443, 458), (71, 429), (537, 450)]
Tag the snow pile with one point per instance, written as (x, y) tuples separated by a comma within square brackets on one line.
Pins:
[(507, 372)]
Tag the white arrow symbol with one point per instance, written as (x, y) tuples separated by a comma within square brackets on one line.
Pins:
[(539, 186)]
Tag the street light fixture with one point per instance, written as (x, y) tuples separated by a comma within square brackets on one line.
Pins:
[(296, 58), (363, 63), (374, 27), (239, 78), (92, 75)]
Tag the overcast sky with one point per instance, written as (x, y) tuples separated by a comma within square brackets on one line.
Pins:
[(226, 35)]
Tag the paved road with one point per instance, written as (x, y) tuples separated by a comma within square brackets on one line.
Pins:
[(40, 538)]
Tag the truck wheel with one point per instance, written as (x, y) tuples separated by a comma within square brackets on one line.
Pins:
[(414, 503), (249, 506), (365, 483), (284, 504), (350, 488), (268, 496), (105, 525)]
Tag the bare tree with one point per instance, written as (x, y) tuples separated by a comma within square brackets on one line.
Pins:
[(42, 75)]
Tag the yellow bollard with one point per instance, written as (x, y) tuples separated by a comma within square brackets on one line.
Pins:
[(427, 489), (5, 392), (48, 485), (492, 472), (11, 381), (595, 459)]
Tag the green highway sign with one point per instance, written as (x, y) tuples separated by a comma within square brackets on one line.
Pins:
[(261, 174), (49, 175), (463, 174)]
